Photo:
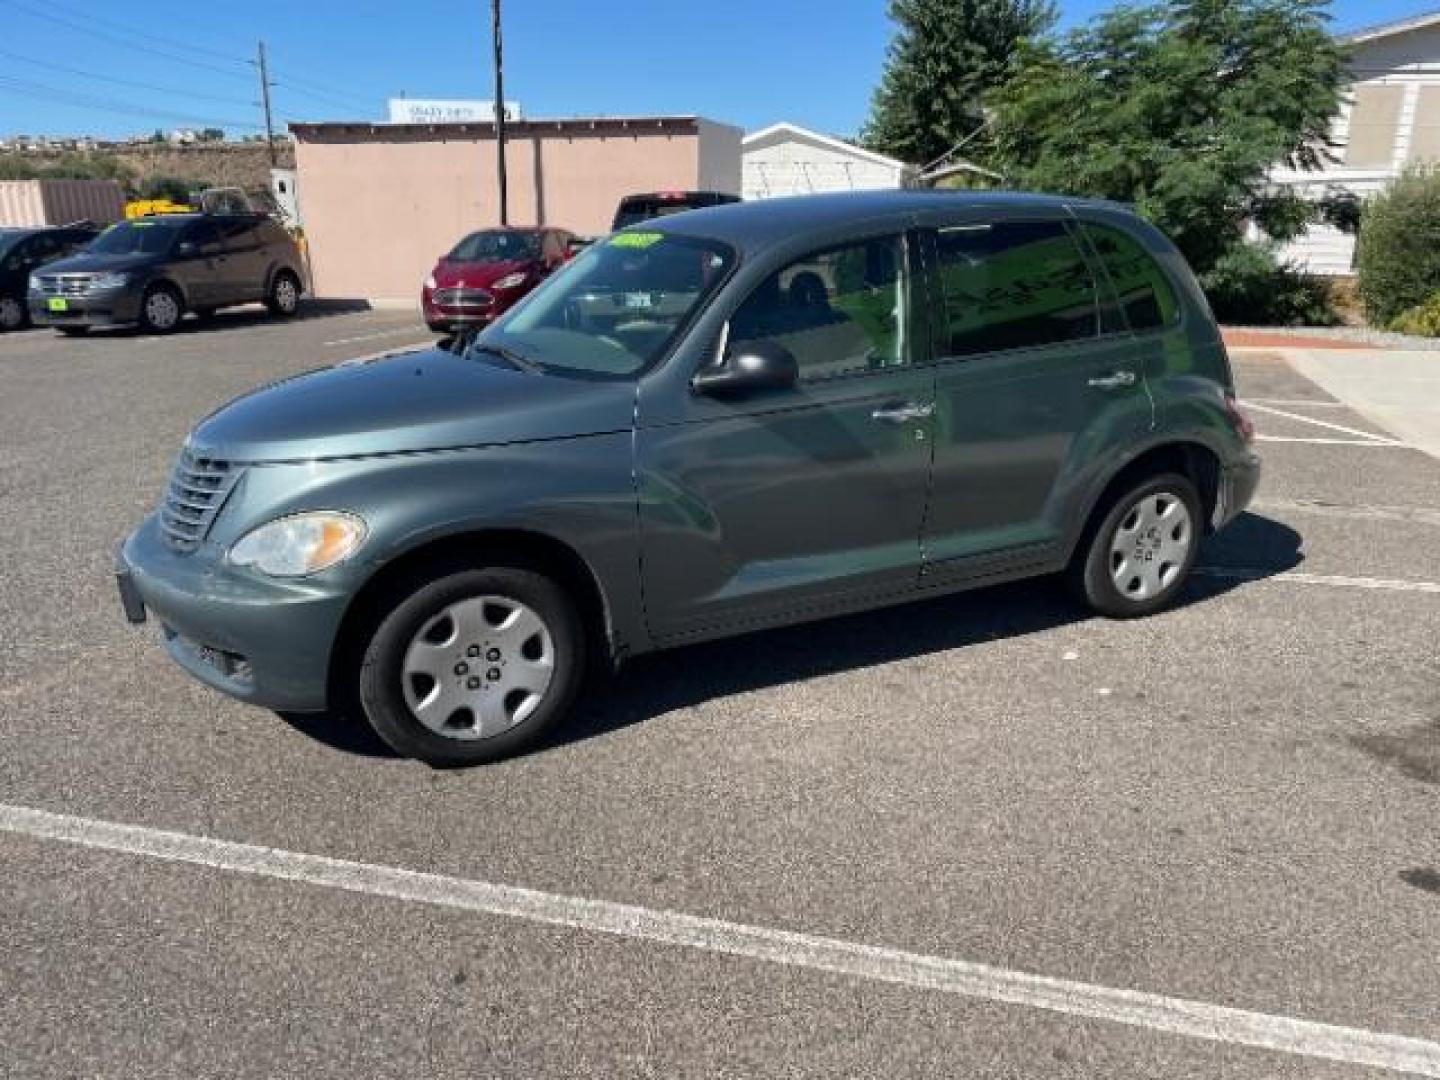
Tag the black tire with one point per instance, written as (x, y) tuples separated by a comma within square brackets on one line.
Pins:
[(73, 331), (283, 299), (153, 322), (14, 313), (380, 678), (1093, 570)]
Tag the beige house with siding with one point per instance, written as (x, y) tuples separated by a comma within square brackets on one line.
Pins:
[(1391, 118)]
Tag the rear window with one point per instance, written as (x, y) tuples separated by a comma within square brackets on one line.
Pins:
[(637, 208), (1012, 285), (1145, 293)]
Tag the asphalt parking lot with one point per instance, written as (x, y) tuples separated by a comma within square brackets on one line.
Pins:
[(978, 837)]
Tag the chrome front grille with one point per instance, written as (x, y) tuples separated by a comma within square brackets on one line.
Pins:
[(198, 488), (478, 298), (65, 284)]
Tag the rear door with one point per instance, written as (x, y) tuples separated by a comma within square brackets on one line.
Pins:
[(757, 509), (1033, 378)]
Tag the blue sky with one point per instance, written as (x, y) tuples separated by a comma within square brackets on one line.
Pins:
[(747, 62)]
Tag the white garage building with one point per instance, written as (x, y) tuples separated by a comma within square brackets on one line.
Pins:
[(786, 159), (1391, 119)]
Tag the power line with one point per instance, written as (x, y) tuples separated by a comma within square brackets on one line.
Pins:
[(175, 58), (59, 96), (62, 69)]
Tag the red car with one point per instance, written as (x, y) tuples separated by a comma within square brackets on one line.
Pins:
[(487, 272)]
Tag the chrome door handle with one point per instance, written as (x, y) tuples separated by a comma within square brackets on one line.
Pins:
[(1113, 382), (903, 414)]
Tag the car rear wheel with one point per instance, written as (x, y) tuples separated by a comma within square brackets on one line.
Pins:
[(284, 298), (161, 309), (13, 315), (1138, 557), (472, 665)]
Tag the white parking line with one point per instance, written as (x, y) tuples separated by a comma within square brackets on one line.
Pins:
[(1415, 515), (1155, 1012), (1384, 443), (1300, 577), (374, 336), (1306, 402), (1370, 435)]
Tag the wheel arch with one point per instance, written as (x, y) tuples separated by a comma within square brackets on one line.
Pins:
[(469, 549), (1193, 460)]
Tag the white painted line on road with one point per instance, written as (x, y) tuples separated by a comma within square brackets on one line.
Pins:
[(1321, 423), (1308, 402), (1384, 443), (383, 354), (1155, 1012), (374, 336), (1414, 515), (1299, 577)]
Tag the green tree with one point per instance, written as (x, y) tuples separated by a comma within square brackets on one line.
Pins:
[(1398, 262), (945, 56), (1179, 109), (156, 186)]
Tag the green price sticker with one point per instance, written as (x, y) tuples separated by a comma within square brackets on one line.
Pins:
[(635, 239)]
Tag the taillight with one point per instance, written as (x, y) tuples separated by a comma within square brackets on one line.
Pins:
[(1243, 424)]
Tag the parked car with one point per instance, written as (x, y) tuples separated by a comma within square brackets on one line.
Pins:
[(634, 209), (151, 271), (737, 418), (23, 251), (483, 276)]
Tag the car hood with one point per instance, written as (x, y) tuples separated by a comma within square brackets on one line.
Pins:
[(431, 400), (87, 262), (454, 275)]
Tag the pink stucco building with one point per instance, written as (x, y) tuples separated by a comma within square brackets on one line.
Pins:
[(381, 201)]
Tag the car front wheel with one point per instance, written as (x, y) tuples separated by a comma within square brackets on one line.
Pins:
[(1139, 556), (161, 309), (13, 315), (284, 298), (472, 665)]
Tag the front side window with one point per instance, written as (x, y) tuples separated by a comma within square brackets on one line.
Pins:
[(1145, 293), (153, 236), (1012, 285), (617, 307), (838, 312)]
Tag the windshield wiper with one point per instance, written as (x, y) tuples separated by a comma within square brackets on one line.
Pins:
[(517, 360)]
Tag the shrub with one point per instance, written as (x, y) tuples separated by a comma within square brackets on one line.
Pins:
[(1249, 286), (1399, 250), (1422, 320)]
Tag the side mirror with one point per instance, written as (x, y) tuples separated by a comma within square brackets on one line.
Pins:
[(749, 367), (186, 248)]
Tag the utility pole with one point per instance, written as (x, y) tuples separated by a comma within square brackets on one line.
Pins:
[(265, 85), (499, 110)]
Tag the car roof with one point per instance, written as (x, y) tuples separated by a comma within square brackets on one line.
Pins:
[(761, 222)]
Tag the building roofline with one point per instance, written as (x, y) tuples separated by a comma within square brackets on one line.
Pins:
[(1390, 29), (826, 140), (536, 125)]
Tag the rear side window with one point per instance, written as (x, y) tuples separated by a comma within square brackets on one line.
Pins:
[(1146, 295), (1012, 285)]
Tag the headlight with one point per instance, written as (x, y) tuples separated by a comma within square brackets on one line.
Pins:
[(34, 283), (108, 281), (510, 281), (301, 544), (430, 281)]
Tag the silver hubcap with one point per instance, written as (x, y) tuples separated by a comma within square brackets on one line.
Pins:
[(162, 310), (10, 313), (479, 667), (285, 294), (1150, 546)]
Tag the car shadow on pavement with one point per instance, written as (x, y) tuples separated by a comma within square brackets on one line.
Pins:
[(244, 317), (1250, 549)]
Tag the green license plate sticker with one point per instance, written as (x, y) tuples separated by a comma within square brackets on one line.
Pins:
[(57, 303), (636, 239)]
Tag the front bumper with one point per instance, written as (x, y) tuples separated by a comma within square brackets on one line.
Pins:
[(115, 307), (264, 641), (1238, 482)]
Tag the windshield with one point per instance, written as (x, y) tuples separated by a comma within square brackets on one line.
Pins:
[(10, 237), (617, 307), (496, 246), (152, 236)]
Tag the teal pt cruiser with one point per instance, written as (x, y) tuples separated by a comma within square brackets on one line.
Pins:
[(718, 421)]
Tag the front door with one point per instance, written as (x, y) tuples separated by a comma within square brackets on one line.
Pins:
[(797, 501), (1030, 385)]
